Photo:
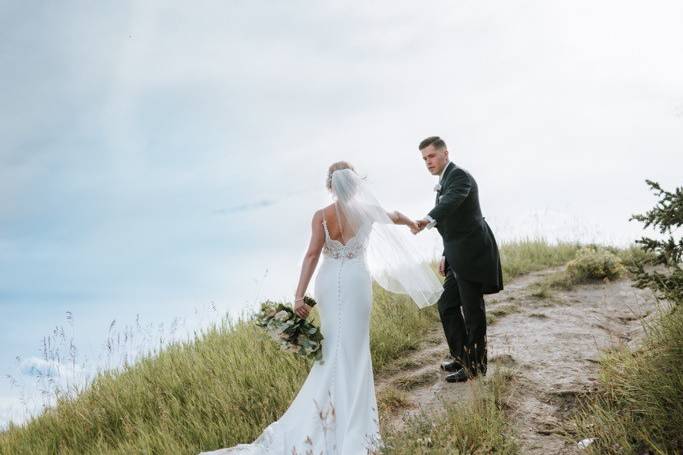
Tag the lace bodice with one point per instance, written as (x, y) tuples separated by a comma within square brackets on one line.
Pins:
[(355, 247)]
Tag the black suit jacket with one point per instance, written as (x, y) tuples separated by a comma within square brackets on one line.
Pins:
[(469, 244)]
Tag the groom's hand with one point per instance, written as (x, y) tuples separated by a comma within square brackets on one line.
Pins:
[(421, 224), (442, 266)]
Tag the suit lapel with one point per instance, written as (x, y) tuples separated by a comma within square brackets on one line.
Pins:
[(449, 167)]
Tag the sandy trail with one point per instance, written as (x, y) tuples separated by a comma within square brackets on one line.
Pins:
[(552, 342)]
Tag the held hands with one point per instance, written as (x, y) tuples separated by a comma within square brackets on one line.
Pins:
[(418, 226), (414, 228), (442, 266)]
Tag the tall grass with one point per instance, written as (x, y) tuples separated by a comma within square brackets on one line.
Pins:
[(473, 426), (639, 406), (530, 255), (397, 326), (223, 387), (220, 388)]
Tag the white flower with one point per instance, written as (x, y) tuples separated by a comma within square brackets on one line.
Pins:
[(437, 187), (282, 315)]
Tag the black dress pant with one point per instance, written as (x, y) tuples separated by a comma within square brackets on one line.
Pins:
[(461, 308)]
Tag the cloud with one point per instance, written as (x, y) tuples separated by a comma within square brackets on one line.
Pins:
[(129, 128), (37, 367), (246, 207), (154, 152)]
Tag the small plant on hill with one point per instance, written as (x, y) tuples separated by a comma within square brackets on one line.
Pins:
[(595, 263)]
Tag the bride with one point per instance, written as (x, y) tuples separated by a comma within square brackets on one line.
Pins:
[(335, 411)]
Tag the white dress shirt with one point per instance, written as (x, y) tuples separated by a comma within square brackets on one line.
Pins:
[(432, 221)]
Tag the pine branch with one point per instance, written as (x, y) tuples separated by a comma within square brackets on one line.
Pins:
[(667, 216)]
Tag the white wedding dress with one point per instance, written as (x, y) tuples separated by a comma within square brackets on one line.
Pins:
[(335, 411)]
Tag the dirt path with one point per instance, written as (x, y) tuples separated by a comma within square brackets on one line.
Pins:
[(552, 342)]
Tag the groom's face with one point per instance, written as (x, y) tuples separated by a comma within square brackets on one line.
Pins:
[(435, 158)]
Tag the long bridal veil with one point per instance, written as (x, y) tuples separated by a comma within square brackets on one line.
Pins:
[(395, 259)]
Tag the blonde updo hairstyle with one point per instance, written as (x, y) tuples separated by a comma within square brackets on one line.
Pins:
[(335, 167), (340, 165)]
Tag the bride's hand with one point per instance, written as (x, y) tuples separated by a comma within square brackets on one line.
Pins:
[(301, 309), (414, 228)]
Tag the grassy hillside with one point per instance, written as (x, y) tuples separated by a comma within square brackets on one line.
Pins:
[(639, 405), (478, 425), (226, 385)]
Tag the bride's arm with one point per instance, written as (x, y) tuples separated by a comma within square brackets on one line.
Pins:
[(396, 217), (399, 218), (309, 263)]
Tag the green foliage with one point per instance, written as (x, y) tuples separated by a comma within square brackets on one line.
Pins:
[(667, 217), (560, 280), (394, 314), (530, 255), (639, 406), (475, 426), (217, 391), (544, 288), (634, 255), (292, 333), (226, 385), (593, 263)]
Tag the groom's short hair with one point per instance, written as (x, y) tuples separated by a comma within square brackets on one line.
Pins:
[(436, 141)]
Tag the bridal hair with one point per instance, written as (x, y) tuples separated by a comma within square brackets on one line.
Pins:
[(436, 141), (335, 167)]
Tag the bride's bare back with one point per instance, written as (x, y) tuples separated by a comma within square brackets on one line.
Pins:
[(337, 225)]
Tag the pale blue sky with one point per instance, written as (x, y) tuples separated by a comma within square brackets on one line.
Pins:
[(159, 156)]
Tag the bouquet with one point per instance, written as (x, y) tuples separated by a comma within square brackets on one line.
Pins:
[(291, 332)]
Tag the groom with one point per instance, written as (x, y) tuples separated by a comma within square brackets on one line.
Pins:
[(470, 261)]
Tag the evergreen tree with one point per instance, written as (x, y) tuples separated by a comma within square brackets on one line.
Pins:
[(667, 218)]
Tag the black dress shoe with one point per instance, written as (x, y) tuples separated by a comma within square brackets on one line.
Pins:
[(451, 366), (459, 376)]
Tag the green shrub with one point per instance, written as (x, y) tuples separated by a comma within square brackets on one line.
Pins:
[(593, 263), (634, 255)]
